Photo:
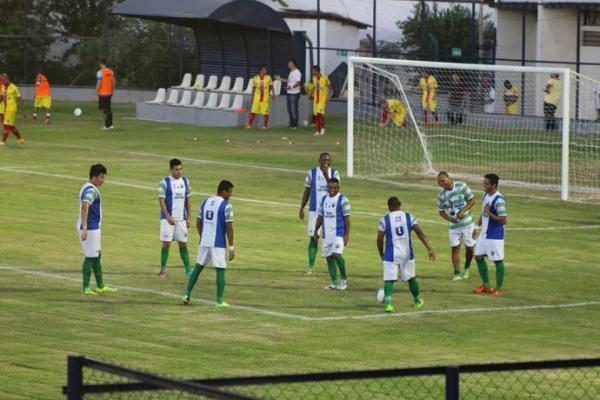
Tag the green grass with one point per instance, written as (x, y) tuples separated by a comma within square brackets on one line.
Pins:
[(44, 319)]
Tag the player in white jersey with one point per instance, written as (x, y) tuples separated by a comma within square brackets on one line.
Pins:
[(315, 187), (175, 215), (215, 226), (491, 239), (334, 216), (88, 228), (396, 229)]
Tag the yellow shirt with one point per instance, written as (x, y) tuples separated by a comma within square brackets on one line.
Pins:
[(429, 88), (12, 94), (555, 91), (2, 91), (262, 88)]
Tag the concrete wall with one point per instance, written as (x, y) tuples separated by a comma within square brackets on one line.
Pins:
[(70, 93)]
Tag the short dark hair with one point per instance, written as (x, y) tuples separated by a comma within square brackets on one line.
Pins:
[(325, 153), (443, 173), (261, 67), (174, 162), (394, 202), (293, 61), (493, 178), (97, 169), (102, 60), (334, 180), (507, 82), (224, 186), (316, 68)]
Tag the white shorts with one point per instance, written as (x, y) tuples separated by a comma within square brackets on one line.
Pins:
[(464, 235), (217, 255), (312, 221), (492, 248), (390, 270), (91, 246), (178, 232), (333, 246)]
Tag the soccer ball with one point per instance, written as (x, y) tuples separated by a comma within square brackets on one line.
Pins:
[(77, 112), (380, 295)]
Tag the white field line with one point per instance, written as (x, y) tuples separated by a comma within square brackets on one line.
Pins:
[(256, 310), (287, 205)]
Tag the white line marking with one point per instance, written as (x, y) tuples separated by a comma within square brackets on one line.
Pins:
[(307, 318), (287, 205)]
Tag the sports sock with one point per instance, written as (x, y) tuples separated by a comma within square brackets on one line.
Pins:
[(15, 132), (185, 257), (164, 256), (313, 247), (251, 119), (86, 272), (413, 286), (5, 133), (265, 121), (499, 273), (424, 117), (483, 271), (388, 289), (193, 278), (341, 263), (220, 284), (332, 271), (97, 268)]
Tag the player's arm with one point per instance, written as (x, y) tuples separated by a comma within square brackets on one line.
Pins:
[(346, 229), (500, 217), (305, 197), (380, 237), (329, 90), (98, 82), (448, 218), (163, 205), (470, 204), (85, 209), (548, 87), (424, 240), (199, 225), (317, 227), (188, 210), (230, 240)]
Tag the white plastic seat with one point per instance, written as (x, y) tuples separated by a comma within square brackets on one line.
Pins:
[(238, 85), (277, 87), (186, 99), (199, 82), (249, 87), (212, 83), (225, 84), (173, 97), (186, 82), (199, 100), (161, 95), (238, 103), (212, 101), (225, 101)]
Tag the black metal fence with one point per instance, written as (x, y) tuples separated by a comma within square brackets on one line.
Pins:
[(563, 379)]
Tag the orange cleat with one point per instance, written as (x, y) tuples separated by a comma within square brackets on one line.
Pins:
[(496, 292), (482, 289)]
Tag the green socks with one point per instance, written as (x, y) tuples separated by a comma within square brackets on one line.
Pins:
[(193, 278), (220, 284), (332, 271), (97, 268), (341, 263), (87, 272), (483, 271), (413, 286), (185, 257), (499, 273), (388, 289), (164, 255), (313, 247)]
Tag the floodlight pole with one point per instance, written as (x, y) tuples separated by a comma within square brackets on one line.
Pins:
[(319, 33), (374, 28)]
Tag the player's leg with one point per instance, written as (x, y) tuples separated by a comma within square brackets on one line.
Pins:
[(5, 133), (35, 107), (341, 262), (469, 242), (313, 246), (164, 257), (408, 274), (48, 106), (109, 113), (390, 275), (102, 287), (251, 120), (331, 264), (219, 257), (480, 254), (265, 121), (496, 254), (454, 236), (167, 233), (322, 131), (202, 259), (181, 236), (86, 271), (185, 257)]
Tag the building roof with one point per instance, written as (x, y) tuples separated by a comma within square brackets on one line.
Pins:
[(247, 13), (330, 16), (584, 4)]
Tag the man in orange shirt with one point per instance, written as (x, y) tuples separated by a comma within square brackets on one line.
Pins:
[(43, 98), (105, 88)]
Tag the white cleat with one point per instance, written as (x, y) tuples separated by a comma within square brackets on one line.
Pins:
[(322, 133), (343, 284)]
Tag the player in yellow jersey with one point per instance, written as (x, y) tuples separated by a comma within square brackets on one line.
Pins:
[(262, 90), (11, 98), (429, 86), (43, 97), (321, 95), (511, 97), (2, 93), (395, 109)]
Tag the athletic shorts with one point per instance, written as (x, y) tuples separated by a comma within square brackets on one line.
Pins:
[(42, 102), (312, 222), (10, 117), (464, 235), (333, 246), (177, 232), (390, 270), (91, 245), (104, 102), (218, 256), (492, 248)]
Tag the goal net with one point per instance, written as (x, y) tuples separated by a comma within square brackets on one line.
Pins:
[(535, 127)]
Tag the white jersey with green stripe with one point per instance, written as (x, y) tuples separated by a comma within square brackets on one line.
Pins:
[(454, 200)]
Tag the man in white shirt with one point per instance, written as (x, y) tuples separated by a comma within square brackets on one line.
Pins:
[(293, 83)]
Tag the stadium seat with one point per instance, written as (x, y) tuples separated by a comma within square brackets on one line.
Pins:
[(277, 87), (248, 88), (225, 101), (212, 101), (173, 97), (161, 95), (212, 83), (225, 84), (186, 82), (238, 85), (199, 82), (186, 99), (238, 103), (198, 101)]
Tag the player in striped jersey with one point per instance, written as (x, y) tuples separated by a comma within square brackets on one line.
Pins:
[(315, 187), (491, 239), (334, 215), (215, 226), (88, 227), (175, 215), (396, 229), (455, 201)]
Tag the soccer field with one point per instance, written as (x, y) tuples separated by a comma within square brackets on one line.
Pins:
[(280, 320)]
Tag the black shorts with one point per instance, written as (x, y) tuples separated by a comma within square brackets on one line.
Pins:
[(104, 103)]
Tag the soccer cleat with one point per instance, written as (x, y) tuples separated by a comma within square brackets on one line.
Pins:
[(322, 133), (496, 292), (21, 141), (481, 289), (112, 128), (104, 128), (248, 126), (343, 284), (389, 308), (221, 305), (162, 274), (419, 303), (317, 133), (88, 291), (456, 278), (330, 287), (186, 299), (2, 143), (465, 274), (106, 289)]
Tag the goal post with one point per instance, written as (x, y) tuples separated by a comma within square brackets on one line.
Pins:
[(415, 117)]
